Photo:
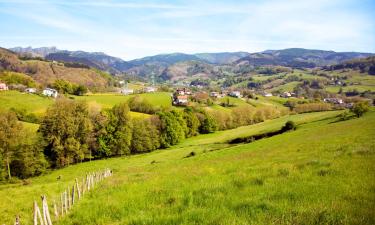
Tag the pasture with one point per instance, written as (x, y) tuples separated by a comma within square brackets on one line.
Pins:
[(322, 173)]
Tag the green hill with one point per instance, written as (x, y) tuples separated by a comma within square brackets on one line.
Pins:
[(322, 173)]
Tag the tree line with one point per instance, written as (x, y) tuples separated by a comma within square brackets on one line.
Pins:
[(71, 132)]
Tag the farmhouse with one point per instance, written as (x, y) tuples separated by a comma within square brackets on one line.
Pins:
[(334, 100), (50, 92), (180, 100), (235, 94), (3, 87), (30, 90), (183, 91), (150, 89), (127, 91), (266, 94), (214, 94), (286, 95)]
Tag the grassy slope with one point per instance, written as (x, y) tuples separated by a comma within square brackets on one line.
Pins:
[(30, 102), (320, 174), (38, 104), (107, 100), (322, 170)]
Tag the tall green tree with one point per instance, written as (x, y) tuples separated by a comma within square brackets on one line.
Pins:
[(171, 132), (145, 136), (28, 159), (10, 130), (207, 124), (360, 108), (114, 131), (66, 129), (192, 122)]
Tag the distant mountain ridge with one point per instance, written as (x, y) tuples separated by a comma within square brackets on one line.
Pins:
[(168, 66), (300, 58), (45, 72), (98, 60)]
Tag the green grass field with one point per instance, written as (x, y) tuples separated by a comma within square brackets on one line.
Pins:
[(322, 173), (109, 100), (29, 102), (38, 104)]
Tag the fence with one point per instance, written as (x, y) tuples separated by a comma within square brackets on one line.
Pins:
[(68, 198)]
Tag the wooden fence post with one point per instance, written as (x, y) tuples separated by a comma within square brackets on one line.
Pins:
[(37, 215), (55, 209), (68, 197), (46, 215), (78, 190), (62, 203), (65, 202), (17, 221), (72, 196)]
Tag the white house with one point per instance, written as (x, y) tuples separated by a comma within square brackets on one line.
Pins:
[(30, 90), (3, 87), (214, 94), (150, 89), (50, 92), (181, 100), (266, 94), (235, 94), (127, 91), (334, 100), (286, 95)]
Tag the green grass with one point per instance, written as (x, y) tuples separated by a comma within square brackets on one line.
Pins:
[(109, 100), (322, 173), (38, 104), (360, 88), (29, 102)]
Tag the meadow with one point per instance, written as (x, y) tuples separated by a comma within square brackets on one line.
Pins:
[(322, 173), (38, 104)]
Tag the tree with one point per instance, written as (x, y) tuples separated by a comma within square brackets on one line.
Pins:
[(119, 128), (289, 125), (10, 130), (28, 158), (80, 90), (66, 129), (171, 132), (208, 124), (360, 108), (145, 136), (192, 122)]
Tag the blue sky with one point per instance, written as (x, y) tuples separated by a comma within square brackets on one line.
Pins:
[(133, 29)]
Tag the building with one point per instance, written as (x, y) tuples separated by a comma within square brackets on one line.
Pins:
[(180, 100), (334, 100), (3, 87), (183, 91), (50, 92), (286, 95), (235, 94), (150, 89), (266, 94), (127, 91), (214, 94), (30, 90)]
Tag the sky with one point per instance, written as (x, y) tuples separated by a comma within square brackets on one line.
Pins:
[(134, 29)]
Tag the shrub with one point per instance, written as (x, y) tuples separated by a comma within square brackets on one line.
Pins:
[(289, 125), (312, 107), (360, 108), (139, 104)]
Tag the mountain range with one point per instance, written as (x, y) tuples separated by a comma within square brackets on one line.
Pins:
[(167, 66)]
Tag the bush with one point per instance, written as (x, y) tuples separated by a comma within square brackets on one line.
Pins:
[(139, 104), (360, 108), (289, 125), (312, 107)]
